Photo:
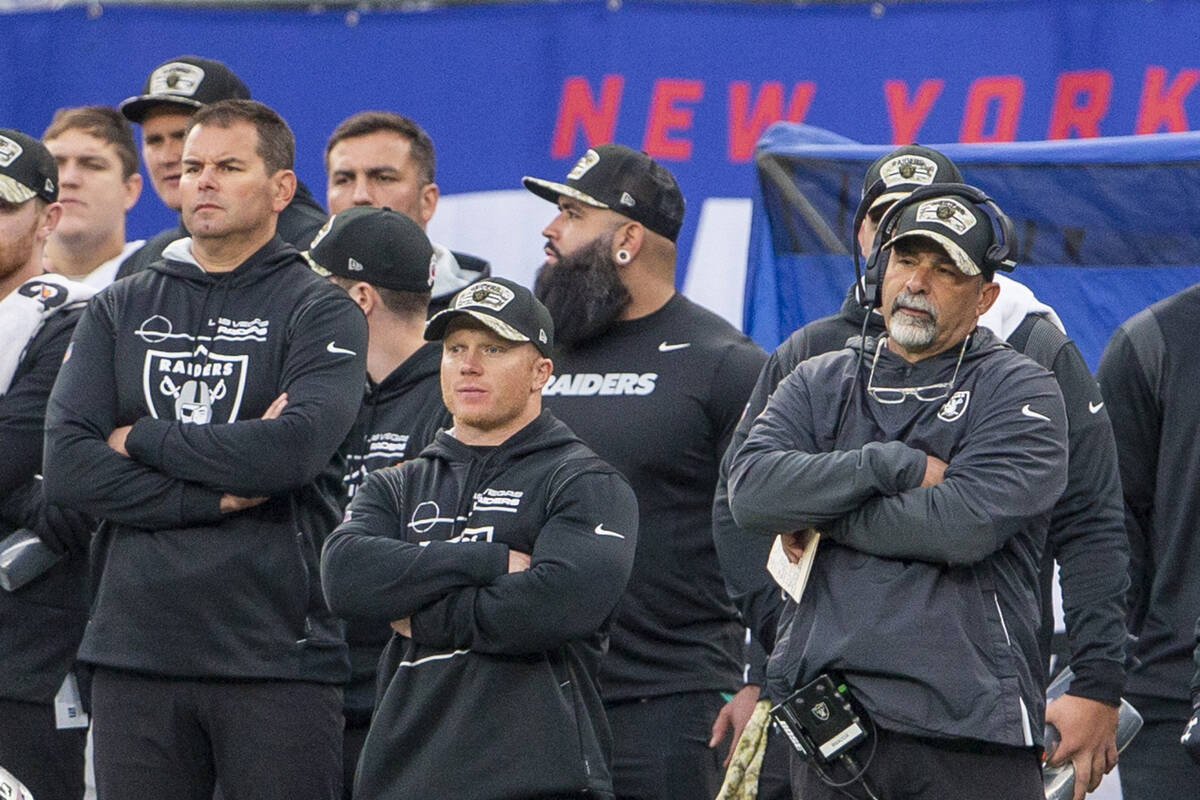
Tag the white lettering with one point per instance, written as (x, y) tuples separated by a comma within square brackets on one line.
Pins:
[(586, 384)]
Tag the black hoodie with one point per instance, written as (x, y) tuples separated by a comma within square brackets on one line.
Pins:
[(495, 696), (191, 360)]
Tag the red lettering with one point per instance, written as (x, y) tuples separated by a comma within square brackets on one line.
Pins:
[(666, 118), (1002, 92), (906, 117), (578, 109), (747, 122), (1081, 100), (1159, 108)]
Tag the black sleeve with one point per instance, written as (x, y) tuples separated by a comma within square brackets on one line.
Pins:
[(733, 381), (82, 471), (23, 406), (1136, 420), (1196, 674), (370, 570), (580, 564), (743, 558), (1087, 536), (257, 457)]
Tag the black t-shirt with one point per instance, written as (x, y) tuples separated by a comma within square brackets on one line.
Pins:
[(658, 397)]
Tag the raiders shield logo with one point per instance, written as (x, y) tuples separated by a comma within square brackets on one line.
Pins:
[(51, 295), (588, 160), (953, 408), (194, 387), (821, 712), (177, 77)]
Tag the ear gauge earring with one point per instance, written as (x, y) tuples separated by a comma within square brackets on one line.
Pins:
[(623, 257)]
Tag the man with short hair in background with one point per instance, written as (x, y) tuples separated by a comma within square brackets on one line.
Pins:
[(382, 259), (99, 183), (199, 414), (385, 160), (171, 94)]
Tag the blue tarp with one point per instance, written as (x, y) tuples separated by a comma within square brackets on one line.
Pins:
[(1104, 226)]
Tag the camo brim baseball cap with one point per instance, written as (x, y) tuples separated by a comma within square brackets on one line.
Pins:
[(187, 82), (27, 170), (961, 229), (506, 308), (898, 173), (623, 180)]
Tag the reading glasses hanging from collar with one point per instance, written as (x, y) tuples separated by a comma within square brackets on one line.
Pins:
[(930, 393)]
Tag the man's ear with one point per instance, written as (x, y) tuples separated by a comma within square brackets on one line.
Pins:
[(629, 238), (283, 187), (987, 296), (429, 200), (364, 296)]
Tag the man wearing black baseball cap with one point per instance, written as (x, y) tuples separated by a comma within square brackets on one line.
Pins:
[(654, 383), (383, 260), (173, 92), (41, 622), (499, 555), (929, 458), (1086, 533)]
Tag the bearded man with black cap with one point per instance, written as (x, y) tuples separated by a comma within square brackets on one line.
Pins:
[(655, 384), (171, 94), (929, 459), (499, 555), (1086, 535)]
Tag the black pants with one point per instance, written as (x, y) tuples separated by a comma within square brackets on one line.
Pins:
[(1155, 766), (914, 768), (175, 738), (49, 762), (353, 739), (660, 747)]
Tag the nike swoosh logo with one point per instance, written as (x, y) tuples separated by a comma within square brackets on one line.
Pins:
[(600, 531), (333, 348), (666, 348), (1029, 412), (1095, 407)]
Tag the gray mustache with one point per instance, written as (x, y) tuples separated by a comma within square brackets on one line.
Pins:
[(915, 301)]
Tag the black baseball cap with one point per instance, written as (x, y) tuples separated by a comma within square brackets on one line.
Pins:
[(624, 180), (507, 308), (379, 246), (27, 169), (896, 174), (961, 228), (188, 82)]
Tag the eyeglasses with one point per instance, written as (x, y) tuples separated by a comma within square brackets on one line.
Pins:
[(924, 394)]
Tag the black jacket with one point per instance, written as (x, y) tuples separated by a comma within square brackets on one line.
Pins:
[(191, 360), (495, 696), (40, 623), (1149, 375), (1085, 534), (298, 224), (925, 599), (400, 415)]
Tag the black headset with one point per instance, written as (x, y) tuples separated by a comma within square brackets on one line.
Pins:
[(999, 256)]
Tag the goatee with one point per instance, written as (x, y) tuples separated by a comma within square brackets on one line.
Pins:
[(583, 292)]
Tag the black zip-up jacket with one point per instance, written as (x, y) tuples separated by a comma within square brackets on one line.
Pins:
[(399, 417), (191, 360), (495, 695), (40, 623), (1149, 375), (925, 599), (298, 224), (1086, 531)]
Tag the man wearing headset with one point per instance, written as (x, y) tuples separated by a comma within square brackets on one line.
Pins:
[(929, 458), (1086, 532)]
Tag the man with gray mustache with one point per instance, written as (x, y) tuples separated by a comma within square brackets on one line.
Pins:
[(929, 459)]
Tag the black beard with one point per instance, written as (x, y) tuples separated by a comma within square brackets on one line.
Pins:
[(583, 293)]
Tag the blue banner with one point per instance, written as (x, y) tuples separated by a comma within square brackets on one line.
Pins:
[(512, 90)]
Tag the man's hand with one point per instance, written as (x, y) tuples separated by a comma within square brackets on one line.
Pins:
[(517, 562), (1191, 735), (793, 544), (935, 471), (1089, 739), (231, 503), (732, 719), (403, 626), (116, 439)]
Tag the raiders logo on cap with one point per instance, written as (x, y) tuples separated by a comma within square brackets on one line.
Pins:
[(588, 160), (10, 151), (177, 77), (908, 169), (485, 293), (948, 212)]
